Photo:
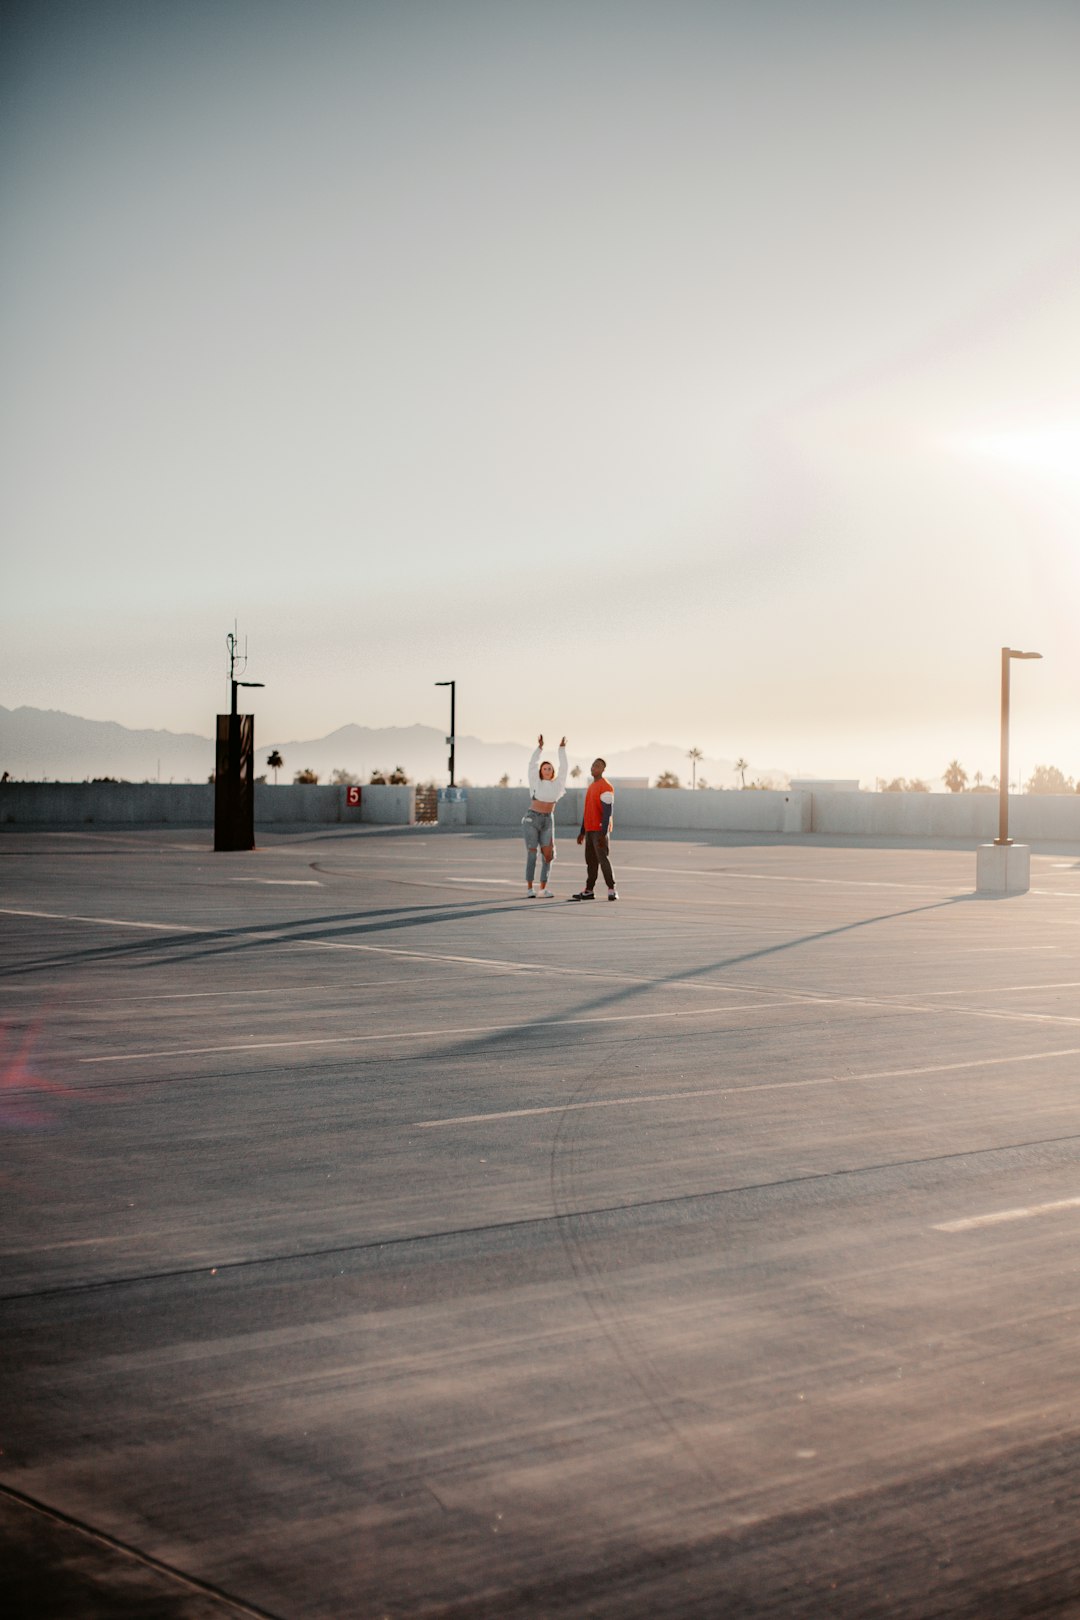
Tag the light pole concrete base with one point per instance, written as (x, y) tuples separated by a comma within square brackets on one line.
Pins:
[(452, 811), (1003, 869)]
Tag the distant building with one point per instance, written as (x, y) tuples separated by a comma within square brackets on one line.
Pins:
[(825, 784), (628, 781)]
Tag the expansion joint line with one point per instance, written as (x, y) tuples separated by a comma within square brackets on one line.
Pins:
[(124, 1548), (522, 1222)]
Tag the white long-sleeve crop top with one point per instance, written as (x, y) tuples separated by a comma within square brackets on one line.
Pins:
[(548, 792)]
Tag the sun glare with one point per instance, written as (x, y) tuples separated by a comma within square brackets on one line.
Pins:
[(1052, 451)]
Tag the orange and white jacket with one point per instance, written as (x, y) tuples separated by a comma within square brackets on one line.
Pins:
[(599, 812)]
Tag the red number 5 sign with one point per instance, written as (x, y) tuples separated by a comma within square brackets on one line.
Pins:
[(352, 796)]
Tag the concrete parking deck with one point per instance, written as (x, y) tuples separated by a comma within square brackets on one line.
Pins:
[(379, 1243)]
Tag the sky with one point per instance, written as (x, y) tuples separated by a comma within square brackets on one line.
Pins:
[(694, 371)]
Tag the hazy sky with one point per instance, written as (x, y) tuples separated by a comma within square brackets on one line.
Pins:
[(696, 371)]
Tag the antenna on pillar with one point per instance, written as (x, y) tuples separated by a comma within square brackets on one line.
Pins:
[(238, 661)]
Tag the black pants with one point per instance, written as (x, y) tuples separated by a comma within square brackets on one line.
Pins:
[(596, 857)]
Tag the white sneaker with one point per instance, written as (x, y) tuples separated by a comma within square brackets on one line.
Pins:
[(546, 894), (530, 894)]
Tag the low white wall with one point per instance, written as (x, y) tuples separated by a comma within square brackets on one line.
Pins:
[(1037, 816), (706, 810), (191, 804), (298, 802), (309, 802), (912, 815), (303, 803), (384, 806), (43, 804), (1033, 818), (657, 809)]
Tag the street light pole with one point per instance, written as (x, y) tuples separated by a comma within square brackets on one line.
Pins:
[(453, 723), (1007, 655)]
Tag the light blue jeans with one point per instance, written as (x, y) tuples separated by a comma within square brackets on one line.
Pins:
[(539, 830)]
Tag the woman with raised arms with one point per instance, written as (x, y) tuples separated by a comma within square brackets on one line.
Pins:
[(538, 823)]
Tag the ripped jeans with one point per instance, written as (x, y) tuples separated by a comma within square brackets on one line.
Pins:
[(539, 830)]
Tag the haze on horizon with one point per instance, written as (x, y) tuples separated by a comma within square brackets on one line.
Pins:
[(693, 371)]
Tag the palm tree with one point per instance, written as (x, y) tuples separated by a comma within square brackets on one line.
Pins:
[(955, 777), (576, 772), (742, 766), (275, 763), (693, 755), (667, 779)]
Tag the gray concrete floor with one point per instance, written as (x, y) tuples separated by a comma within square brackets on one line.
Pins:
[(378, 1243)]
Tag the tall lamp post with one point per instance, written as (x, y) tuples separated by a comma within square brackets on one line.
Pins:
[(453, 726), (1007, 655)]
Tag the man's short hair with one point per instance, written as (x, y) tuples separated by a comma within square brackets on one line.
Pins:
[(601, 762)]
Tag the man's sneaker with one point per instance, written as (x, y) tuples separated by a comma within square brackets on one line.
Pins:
[(613, 894), (586, 894)]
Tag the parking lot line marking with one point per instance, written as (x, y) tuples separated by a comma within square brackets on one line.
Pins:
[(510, 883), (1025, 1213), (107, 922), (281, 883), (1006, 989), (508, 965), (419, 1034), (503, 964), (779, 996), (739, 1091), (783, 877)]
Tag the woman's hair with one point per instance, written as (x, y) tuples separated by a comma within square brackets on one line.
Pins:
[(546, 764)]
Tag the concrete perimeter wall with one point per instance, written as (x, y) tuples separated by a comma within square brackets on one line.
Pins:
[(191, 804), (1032, 817), (657, 809)]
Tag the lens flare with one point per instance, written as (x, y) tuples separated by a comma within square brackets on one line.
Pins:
[(23, 1091)]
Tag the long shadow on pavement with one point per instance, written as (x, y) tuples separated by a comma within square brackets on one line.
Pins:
[(141, 951), (627, 992)]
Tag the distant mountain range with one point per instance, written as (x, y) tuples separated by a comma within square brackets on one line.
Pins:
[(46, 744)]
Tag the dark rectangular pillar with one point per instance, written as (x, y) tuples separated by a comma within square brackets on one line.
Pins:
[(234, 782)]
